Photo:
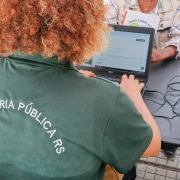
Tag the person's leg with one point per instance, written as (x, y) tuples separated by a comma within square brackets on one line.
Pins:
[(130, 175), (169, 149)]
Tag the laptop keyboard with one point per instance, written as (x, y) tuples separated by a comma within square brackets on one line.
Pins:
[(110, 79), (118, 80), (114, 80)]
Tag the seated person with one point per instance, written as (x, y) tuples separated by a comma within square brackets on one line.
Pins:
[(167, 38), (55, 123)]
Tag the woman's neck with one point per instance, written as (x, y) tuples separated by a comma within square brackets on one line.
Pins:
[(147, 6)]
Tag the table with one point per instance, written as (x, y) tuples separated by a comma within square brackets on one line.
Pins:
[(160, 75)]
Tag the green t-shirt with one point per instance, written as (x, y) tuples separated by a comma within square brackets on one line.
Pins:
[(57, 124)]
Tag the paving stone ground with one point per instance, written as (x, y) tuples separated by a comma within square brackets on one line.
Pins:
[(159, 168)]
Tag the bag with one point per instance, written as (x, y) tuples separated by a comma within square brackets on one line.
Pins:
[(112, 174)]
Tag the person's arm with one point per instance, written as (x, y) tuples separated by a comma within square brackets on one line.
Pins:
[(133, 89), (161, 54), (172, 47)]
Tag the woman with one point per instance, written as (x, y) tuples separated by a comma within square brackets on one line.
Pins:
[(55, 123), (167, 38)]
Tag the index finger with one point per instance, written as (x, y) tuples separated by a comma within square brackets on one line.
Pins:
[(124, 77)]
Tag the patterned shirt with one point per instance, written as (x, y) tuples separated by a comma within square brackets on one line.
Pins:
[(168, 11)]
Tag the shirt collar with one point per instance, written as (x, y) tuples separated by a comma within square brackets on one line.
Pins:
[(163, 5), (38, 59), (132, 3)]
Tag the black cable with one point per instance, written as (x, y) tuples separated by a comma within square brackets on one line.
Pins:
[(171, 91)]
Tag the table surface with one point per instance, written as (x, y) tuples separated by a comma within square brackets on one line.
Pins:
[(160, 74)]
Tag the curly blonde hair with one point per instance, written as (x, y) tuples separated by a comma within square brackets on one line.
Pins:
[(73, 30)]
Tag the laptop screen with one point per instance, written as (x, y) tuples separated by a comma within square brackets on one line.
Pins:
[(127, 51)]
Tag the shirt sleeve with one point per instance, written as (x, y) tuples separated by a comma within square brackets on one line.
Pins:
[(111, 16), (175, 33), (127, 135)]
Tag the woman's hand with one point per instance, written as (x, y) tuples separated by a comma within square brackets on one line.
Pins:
[(88, 74), (162, 54), (157, 55), (131, 85)]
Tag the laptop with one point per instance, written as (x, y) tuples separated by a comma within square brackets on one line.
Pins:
[(129, 52)]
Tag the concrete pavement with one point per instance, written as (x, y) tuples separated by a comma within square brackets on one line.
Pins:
[(159, 168)]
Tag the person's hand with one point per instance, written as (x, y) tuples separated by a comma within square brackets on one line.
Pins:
[(157, 55), (132, 88), (88, 74), (131, 85), (162, 54)]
